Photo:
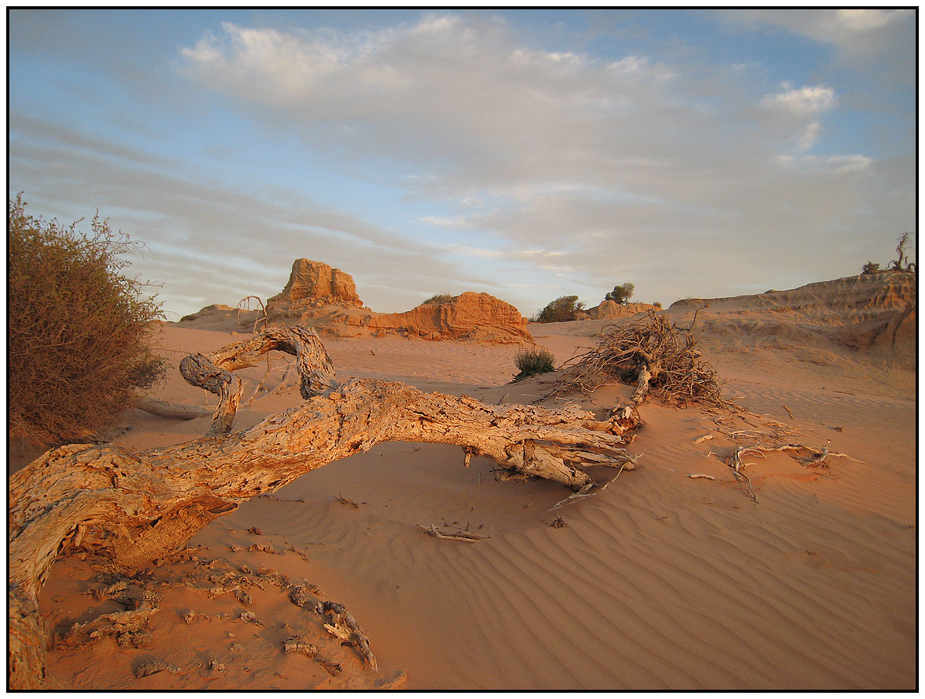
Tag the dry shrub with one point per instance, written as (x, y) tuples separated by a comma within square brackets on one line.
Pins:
[(679, 377), (78, 329)]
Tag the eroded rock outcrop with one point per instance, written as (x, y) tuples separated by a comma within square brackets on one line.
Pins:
[(872, 313), (479, 317), (326, 299), (312, 286)]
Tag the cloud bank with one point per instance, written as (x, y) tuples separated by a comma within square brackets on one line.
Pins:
[(605, 163), (457, 151)]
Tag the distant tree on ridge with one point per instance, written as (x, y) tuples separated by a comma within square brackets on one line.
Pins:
[(562, 309), (621, 293)]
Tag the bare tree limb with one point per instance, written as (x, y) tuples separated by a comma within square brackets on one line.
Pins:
[(213, 372), (176, 411)]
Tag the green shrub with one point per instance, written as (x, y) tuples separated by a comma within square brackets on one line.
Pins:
[(621, 293), (562, 309), (535, 360), (77, 341)]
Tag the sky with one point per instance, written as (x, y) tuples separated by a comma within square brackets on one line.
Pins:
[(529, 154)]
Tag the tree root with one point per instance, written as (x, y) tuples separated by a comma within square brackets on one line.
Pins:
[(807, 456)]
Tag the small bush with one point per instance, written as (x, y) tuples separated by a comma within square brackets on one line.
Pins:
[(77, 341), (536, 360), (563, 309)]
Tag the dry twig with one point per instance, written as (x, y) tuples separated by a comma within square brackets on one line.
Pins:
[(454, 536)]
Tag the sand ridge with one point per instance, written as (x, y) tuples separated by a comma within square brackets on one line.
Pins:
[(658, 582)]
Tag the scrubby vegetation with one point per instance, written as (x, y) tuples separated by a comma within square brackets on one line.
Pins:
[(900, 264), (534, 360), (439, 298), (621, 293), (77, 343), (563, 309)]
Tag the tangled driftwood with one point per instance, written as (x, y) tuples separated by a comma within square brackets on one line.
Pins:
[(651, 353), (136, 507)]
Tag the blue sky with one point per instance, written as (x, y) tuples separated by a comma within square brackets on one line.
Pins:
[(525, 153)]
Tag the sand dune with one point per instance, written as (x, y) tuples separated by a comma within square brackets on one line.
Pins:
[(659, 581)]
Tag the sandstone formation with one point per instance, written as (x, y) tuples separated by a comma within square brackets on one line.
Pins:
[(312, 286), (218, 316), (325, 299)]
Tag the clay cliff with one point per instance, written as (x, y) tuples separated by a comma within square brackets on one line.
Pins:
[(469, 316), (611, 309), (475, 317), (870, 313)]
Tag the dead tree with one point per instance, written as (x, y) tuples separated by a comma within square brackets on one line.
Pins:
[(901, 263), (174, 411), (650, 353), (135, 507), (245, 304)]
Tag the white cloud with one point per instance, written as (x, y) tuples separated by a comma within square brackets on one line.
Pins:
[(810, 136), (463, 92), (862, 20), (862, 38), (841, 164), (444, 221), (803, 101)]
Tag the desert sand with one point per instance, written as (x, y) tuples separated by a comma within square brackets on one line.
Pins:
[(658, 582)]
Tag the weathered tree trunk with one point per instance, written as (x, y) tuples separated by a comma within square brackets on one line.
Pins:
[(642, 383), (136, 507), (200, 371), (213, 373)]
